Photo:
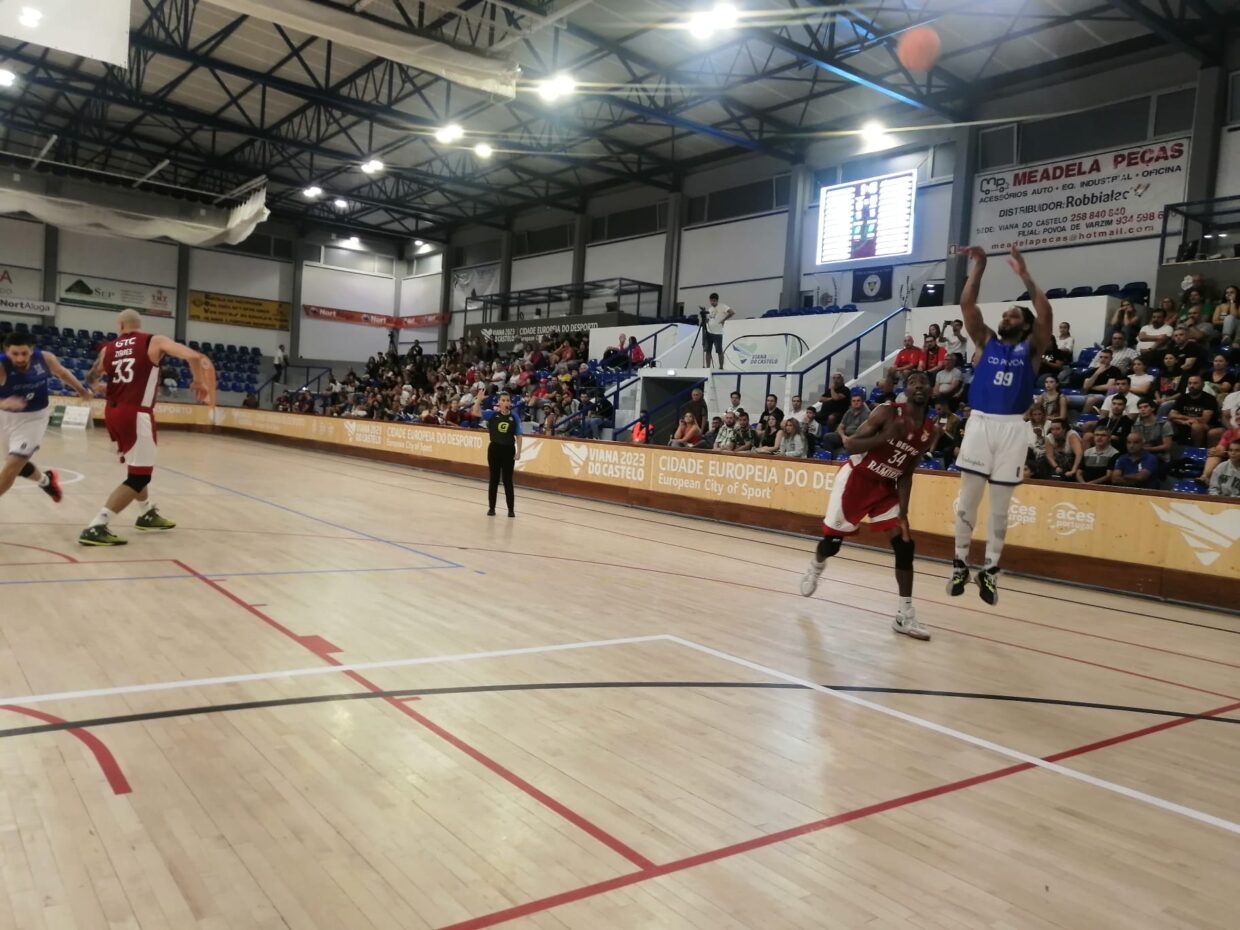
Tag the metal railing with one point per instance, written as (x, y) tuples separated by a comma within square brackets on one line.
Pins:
[(614, 397), (316, 380), (676, 399)]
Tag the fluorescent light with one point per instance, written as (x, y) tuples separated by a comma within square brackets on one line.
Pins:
[(312, 192), (418, 243), (340, 203), (704, 24), (372, 166), (449, 134), (552, 89), (874, 137), (7, 78), (354, 241), (482, 150), (30, 17)]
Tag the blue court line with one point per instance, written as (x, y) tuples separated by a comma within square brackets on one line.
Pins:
[(447, 563), (220, 576)]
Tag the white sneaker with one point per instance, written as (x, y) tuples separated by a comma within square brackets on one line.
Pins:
[(907, 623), (809, 581)]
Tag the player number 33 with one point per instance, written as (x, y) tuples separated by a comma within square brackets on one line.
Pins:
[(122, 370)]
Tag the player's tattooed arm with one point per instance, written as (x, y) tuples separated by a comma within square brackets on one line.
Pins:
[(65, 375), (1043, 326), (95, 373)]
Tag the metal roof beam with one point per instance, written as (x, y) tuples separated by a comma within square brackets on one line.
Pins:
[(1171, 32)]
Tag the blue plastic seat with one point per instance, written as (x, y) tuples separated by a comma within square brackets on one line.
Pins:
[(1189, 486), (1055, 293), (1106, 290), (1083, 290)]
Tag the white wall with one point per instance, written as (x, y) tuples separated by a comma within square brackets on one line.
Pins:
[(418, 296), (1104, 263), (344, 290), (240, 276), (549, 270), (21, 244), (1229, 164), (135, 260), (743, 261), (640, 259)]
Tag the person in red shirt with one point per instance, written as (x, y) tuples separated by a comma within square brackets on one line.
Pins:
[(908, 359), (131, 363), (934, 358), (1218, 454)]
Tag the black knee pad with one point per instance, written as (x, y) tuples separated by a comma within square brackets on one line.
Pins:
[(137, 482), (829, 546), (27, 470), (904, 549)]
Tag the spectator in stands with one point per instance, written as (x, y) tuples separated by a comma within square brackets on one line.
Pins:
[(1126, 321), (734, 402), (947, 444), (1172, 383), (1099, 459), (883, 393), (616, 356), (1135, 468), (1225, 481), (251, 401), (1227, 314), (584, 379), (688, 433), (641, 429), (1217, 453), (1037, 430), (949, 382), (636, 357), (725, 437), (1099, 382), (1220, 381), (1121, 355), (772, 409), (1190, 354), (697, 406), (1064, 340), (953, 338), (1229, 416), (833, 402), (591, 421), (745, 437), (792, 444), (1052, 402), (767, 434), (812, 430), (1197, 315), (708, 438), (712, 326), (280, 360), (1193, 413), (1115, 422), (934, 358), (1155, 434), (1155, 339), (1061, 459), (1056, 363), (908, 359), (797, 412), (1140, 381), (856, 414)]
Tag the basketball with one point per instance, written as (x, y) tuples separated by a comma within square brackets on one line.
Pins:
[(918, 49)]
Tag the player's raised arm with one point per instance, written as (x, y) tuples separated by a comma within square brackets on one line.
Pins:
[(203, 384), (979, 333), (877, 429), (65, 375), (1044, 322)]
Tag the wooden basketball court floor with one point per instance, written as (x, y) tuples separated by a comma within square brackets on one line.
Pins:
[(339, 696)]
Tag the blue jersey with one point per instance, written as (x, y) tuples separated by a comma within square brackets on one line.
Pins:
[(1004, 378), (30, 385)]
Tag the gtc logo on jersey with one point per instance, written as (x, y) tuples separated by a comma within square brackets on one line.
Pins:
[(1208, 534)]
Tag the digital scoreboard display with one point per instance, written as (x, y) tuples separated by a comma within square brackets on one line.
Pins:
[(867, 219)]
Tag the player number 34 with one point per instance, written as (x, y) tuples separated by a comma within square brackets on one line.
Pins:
[(1003, 378)]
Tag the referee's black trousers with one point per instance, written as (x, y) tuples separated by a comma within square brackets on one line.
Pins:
[(502, 459)]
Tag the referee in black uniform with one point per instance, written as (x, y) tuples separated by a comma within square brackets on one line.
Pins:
[(505, 448)]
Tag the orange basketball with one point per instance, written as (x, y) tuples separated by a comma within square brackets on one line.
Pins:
[(918, 49)]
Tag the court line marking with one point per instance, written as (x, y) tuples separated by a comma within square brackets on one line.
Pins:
[(1171, 806), (224, 576), (336, 526), (63, 555), (99, 749), (47, 697)]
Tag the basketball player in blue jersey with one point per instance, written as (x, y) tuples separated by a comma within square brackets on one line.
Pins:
[(996, 437), (24, 411)]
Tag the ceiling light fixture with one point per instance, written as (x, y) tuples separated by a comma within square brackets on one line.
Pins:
[(354, 241), (417, 243), (7, 78), (449, 134), (482, 150), (874, 137), (340, 203), (30, 17), (554, 88), (312, 192), (705, 24), (372, 167)]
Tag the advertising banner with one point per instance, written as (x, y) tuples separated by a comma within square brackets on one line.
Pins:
[(1117, 194), (382, 320), (510, 332), (109, 294), (19, 283), (19, 305), (419, 320), (232, 310)]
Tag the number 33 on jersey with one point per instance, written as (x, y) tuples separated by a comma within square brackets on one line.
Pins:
[(132, 377)]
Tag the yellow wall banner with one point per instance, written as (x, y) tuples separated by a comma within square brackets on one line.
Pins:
[(205, 307), (1200, 535)]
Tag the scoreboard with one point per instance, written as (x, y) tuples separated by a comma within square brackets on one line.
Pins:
[(867, 219)]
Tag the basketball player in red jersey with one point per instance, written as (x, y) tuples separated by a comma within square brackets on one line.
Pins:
[(874, 486), (131, 363)]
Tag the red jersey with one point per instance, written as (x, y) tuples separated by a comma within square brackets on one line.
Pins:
[(892, 459), (132, 377)]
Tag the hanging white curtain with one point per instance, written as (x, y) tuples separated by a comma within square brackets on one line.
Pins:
[(215, 228)]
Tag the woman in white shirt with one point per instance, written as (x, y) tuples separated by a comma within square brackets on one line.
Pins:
[(1065, 341), (1140, 384)]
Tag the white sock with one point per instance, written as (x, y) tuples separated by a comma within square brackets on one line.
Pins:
[(816, 565), (145, 507), (45, 480), (906, 605), (104, 518)]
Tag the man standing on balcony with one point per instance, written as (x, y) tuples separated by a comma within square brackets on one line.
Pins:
[(713, 318)]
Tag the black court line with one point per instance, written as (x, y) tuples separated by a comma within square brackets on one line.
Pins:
[(557, 498), (577, 686)]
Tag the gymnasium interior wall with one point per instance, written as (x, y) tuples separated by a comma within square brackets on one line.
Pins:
[(240, 276)]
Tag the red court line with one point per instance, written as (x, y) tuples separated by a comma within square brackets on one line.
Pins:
[(477, 755), (770, 839), (63, 555), (107, 762)]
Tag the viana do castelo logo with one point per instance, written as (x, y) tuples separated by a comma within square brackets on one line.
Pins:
[(577, 454), (1209, 535), (530, 448)]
